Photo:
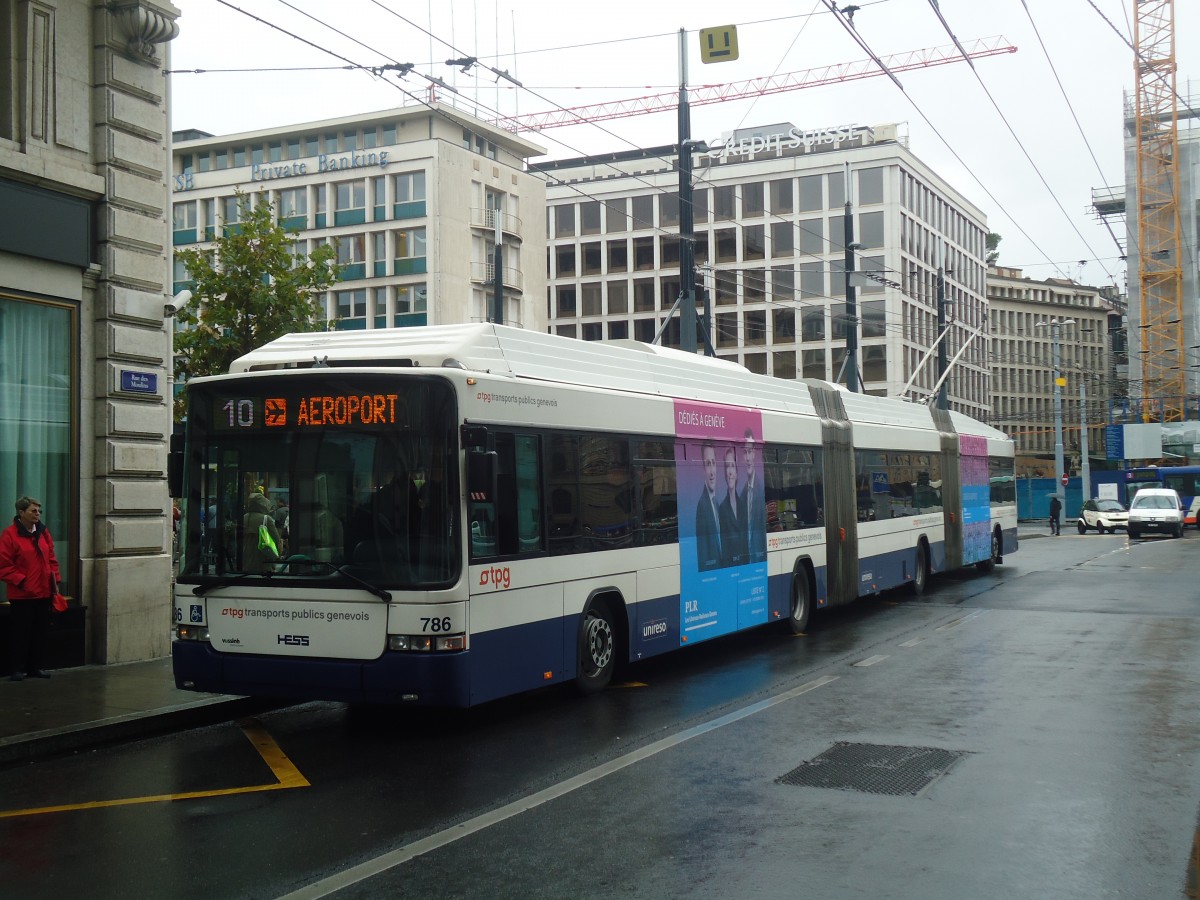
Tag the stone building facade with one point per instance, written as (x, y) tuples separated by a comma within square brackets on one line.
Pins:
[(84, 277)]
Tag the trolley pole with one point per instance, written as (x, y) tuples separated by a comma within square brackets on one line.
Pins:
[(942, 401), (851, 298), (687, 225)]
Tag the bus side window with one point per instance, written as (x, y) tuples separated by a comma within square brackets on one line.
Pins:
[(518, 507), (482, 490)]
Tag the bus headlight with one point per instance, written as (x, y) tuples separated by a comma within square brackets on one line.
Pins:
[(423, 643), (191, 633)]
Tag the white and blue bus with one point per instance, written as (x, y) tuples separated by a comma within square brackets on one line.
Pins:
[(461, 513)]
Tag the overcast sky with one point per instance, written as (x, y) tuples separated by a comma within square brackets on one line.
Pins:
[(568, 54)]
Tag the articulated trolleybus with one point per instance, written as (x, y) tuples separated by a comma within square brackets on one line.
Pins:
[(447, 515)]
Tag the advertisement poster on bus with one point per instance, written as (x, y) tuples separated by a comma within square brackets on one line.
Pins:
[(976, 499), (722, 520)]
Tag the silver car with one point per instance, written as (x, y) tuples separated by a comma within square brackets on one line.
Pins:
[(1103, 515)]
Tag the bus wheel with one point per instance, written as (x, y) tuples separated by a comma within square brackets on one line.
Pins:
[(920, 582), (987, 565), (597, 649), (801, 603)]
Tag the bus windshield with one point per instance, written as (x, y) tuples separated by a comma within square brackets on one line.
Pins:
[(310, 476)]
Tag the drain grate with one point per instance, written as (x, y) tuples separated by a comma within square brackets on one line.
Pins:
[(874, 768)]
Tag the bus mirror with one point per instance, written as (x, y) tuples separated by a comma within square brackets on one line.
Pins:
[(482, 469), (175, 467), (474, 436)]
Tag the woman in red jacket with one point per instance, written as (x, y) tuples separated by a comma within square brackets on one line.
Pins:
[(29, 568)]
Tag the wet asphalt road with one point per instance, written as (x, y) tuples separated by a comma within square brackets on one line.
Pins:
[(1046, 713)]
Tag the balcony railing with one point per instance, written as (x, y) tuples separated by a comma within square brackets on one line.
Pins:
[(485, 273), (486, 218)]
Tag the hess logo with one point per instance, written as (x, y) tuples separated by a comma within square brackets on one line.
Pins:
[(292, 640)]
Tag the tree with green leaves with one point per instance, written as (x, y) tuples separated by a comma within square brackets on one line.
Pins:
[(993, 245), (250, 288)]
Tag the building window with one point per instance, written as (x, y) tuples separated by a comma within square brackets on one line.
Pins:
[(319, 204), (752, 199), (411, 299), (668, 251), (276, 151), (564, 220), (643, 295), (812, 324), (813, 365), (379, 255), (230, 210), (591, 299), (724, 204), (293, 204), (616, 218), (350, 202), (781, 202), (783, 284), (184, 217), (870, 185), (409, 188), (618, 298), (643, 211), (754, 285), (592, 257), (726, 244), (351, 305), (35, 457), (643, 253), (618, 256), (753, 242), (870, 227), (565, 301), (783, 327), (564, 260), (812, 235), (352, 257), (618, 331), (811, 197), (668, 210), (725, 285), (589, 217), (410, 252), (239, 157), (782, 243), (727, 330), (756, 328)]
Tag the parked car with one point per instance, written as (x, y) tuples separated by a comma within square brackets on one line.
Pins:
[(1155, 509), (1103, 515)]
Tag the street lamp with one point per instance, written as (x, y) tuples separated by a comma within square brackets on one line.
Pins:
[(1054, 325)]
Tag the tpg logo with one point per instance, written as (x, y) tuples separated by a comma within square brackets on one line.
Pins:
[(292, 640), (497, 576)]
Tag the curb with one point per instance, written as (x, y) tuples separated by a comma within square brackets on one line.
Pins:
[(90, 735)]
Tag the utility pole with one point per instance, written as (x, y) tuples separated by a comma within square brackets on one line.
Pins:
[(851, 298), (687, 226), (1054, 325), (942, 401), (1085, 467)]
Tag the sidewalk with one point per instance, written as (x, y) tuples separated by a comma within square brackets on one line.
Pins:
[(86, 706)]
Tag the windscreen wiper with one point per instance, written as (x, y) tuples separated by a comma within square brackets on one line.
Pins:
[(341, 570)]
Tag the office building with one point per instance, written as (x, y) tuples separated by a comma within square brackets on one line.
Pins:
[(769, 223)]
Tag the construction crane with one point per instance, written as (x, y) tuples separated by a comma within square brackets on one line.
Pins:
[(702, 95), (1159, 238)]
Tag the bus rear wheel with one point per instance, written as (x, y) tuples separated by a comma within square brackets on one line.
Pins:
[(801, 603), (597, 649), (920, 582)]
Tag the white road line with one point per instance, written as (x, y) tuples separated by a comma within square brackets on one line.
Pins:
[(393, 858), (913, 642), (870, 661)]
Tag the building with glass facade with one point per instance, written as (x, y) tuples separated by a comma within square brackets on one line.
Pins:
[(769, 223), (414, 199), (84, 362)]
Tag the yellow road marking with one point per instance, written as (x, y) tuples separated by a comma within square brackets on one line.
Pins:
[(287, 775)]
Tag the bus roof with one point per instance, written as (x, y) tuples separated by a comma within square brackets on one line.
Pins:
[(624, 365)]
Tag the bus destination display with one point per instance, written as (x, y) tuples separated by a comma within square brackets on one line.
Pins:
[(319, 411)]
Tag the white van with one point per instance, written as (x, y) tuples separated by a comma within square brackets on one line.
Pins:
[(1156, 509)]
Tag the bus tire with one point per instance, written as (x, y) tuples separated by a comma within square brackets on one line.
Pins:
[(801, 602), (920, 582), (597, 649), (997, 556)]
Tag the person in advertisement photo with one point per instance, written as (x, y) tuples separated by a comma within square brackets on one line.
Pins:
[(733, 520), (721, 588), (708, 534)]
